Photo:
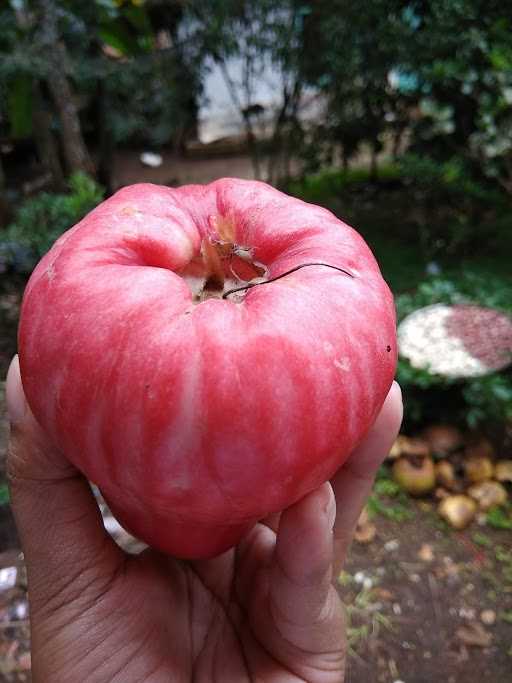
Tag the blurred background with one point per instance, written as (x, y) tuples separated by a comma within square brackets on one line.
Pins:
[(397, 116)]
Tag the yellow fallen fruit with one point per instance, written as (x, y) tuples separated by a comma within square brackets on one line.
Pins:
[(458, 510), (488, 494)]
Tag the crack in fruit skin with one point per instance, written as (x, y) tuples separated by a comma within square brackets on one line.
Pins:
[(252, 403), (249, 285)]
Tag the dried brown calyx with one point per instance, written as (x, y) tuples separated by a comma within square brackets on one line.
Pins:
[(222, 264), (224, 268)]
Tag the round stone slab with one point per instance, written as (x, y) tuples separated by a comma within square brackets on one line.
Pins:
[(456, 341)]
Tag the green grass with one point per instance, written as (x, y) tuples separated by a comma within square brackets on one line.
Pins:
[(395, 511), (503, 555), (388, 500), (482, 540), (500, 518), (365, 620)]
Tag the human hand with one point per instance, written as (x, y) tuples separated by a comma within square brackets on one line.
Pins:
[(265, 611)]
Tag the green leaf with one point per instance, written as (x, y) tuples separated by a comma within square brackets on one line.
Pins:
[(501, 58), (117, 36)]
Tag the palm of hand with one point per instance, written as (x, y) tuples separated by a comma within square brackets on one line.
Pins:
[(218, 621), (156, 619)]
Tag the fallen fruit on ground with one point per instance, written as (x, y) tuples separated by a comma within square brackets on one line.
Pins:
[(446, 476), (503, 471), (365, 530), (206, 355), (458, 511), (488, 494), (443, 439), (409, 446), (478, 468), (416, 475)]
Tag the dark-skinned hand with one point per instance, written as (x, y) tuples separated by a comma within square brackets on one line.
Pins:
[(265, 611)]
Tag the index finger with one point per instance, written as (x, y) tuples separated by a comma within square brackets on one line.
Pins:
[(353, 482)]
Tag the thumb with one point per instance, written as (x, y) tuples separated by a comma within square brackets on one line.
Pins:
[(305, 604), (57, 517)]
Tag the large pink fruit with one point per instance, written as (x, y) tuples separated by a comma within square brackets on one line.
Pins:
[(197, 415)]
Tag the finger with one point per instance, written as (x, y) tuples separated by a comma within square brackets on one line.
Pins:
[(58, 520), (303, 602), (353, 482), (272, 521)]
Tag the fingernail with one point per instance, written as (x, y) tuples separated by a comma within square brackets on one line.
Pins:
[(330, 509), (397, 387), (14, 394)]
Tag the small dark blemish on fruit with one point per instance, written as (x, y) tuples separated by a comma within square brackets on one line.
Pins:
[(146, 386), (388, 348)]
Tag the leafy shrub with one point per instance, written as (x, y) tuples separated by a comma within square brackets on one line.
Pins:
[(453, 211), (322, 187), (477, 401), (40, 220)]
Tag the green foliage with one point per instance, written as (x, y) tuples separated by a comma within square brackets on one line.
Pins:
[(488, 398), (468, 286), (20, 105), (453, 211), (388, 500), (4, 494), (386, 487), (500, 518), (149, 100), (442, 71), (481, 539), (136, 93), (40, 220), (463, 61), (321, 187), (348, 55), (503, 555), (396, 512)]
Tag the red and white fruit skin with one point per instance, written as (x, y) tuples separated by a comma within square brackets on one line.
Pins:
[(197, 420)]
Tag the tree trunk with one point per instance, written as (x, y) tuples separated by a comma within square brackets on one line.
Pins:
[(105, 169), (280, 147), (47, 148), (55, 57), (397, 142), (253, 146), (374, 175), (345, 160), (252, 142), (4, 206), (2, 177)]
